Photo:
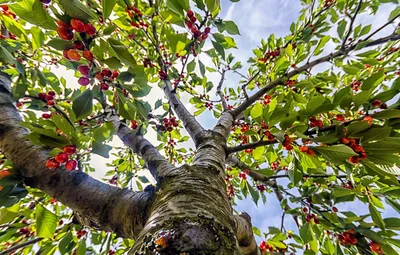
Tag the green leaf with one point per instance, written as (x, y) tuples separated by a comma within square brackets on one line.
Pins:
[(386, 114), (321, 45), (77, 9), (258, 152), (212, 5), (63, 124), (341, 28), (231, 27), (256, 111), (8, 214), (34, 12), (392, 223), (375, 134), (373, 81), (108, 6), (376, 216), (5, 55), (101, 149), (46, 222), (253, 193), (60, 44), (341, 192), (122, 52), (351, 69), (218, 47), (175, 6), (82, 245), (66, 244), (191, 66), (38, 38), (357, 127), (394, 13), (337, 154), (83, 104)]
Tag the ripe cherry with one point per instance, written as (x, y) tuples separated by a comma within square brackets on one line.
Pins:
[(340, 117), (65, 33), (78, 25), (84, 69), (62, 157), (4, 173), (46, 116), (88, 55), (376, 103), (207, 30), (70, 149), (104, 86), (190, 13), (90, 29), (71, 165), (303, 148), (354, 159), (42, 95), (334, 209), (115, 74), (73, 54), (52, 164), (84, 81), (79, 45)]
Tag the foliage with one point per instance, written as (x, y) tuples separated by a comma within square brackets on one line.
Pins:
[(333, 133)]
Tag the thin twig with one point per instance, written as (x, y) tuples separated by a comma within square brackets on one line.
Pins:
[(21, 245), (248, 82), (254, 145), (382, 27), (351, 24), (220, 93)]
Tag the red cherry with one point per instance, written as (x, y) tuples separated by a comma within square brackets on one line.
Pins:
[(106, 72), (52, 164), (376, 103), (52, 93), (207, 30), (46, 116), (79, 45), (354, 159), (104, 86), (84, 69), (73, 54), (115, 74), (190, 13), (65, 33), (70, 149), (78, 25), (99, 76), (84, 81), (71, 165), (90, 29), (62, 157), (19, 104), (50, 102), (303, 148), (340, 117), (311, 152), (193, 19), (88, 55), (204, 36), (42, 95), (334, 209)]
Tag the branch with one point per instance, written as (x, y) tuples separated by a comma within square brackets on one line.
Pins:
[(254, 145), (156, 163), (351, 24), (382, 27), (21, 245), (305, 67), (190, 123), (233, 161), (101, 203), (220, 93), (247, 84), (245, 236)]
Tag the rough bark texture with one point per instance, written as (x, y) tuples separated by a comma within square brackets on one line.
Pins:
[(99, 204)]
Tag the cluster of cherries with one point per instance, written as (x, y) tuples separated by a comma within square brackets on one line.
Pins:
[(48, 98), (264, 247), (168, 124), (355, 85), (348, 238), (136, 15), (80, 233), (310, 216), (290, 83), (191, 24), (66, 31), (243, 175), (105, 76), (307, 150), (266, 100), (270, 55), (63, 157), (209, 105), (354, 144), (287, 143)]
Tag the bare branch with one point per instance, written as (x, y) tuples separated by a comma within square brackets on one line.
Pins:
[(351, 24), (101, 203), (220, 93), (382, 27), (156, 163), (21, 245), (305, 67)]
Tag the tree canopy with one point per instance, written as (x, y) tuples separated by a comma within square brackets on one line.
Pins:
[(312, 117)]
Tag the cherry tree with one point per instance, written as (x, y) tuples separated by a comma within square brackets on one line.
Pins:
[(314, 128)]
